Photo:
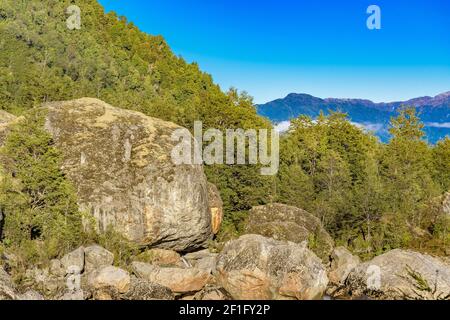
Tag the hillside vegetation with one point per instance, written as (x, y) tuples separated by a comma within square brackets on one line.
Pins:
[(372, 197)]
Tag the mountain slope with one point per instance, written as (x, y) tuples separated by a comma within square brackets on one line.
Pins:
[(434, 112), (110, 59)]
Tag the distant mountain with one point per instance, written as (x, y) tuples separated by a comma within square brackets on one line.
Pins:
[(433, 111)]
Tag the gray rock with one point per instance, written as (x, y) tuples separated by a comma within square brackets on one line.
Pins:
[(45, 282), (342, 262), (111, 277), (96, 257), (178, 280), (56, 268), (142, 289), (203, 260), (8, 290), (74, 260), (31, 295), (257, 268), (287, 223), (401, 274), (77, 295), (120, 163), (160, 257)]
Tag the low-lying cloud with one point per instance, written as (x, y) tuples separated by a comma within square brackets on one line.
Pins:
[(445, 125)]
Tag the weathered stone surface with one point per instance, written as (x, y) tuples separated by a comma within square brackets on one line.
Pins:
[(142, 289), (215, 207), (212, 293), (203, 260), (74, 259), (160, 257), (31, 295), (77, 295), (176, 279), (401, 274), (257, 268), (43, 281), (113, 277), (56, 268), (286, 223), (120, 162), (96, 257), (7, 287), (342, 262)]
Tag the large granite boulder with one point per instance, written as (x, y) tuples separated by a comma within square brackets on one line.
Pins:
[(287, 223), (401, 274), (257, 268), (120, 163)]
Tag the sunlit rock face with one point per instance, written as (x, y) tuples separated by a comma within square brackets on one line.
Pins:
[(120, 163)]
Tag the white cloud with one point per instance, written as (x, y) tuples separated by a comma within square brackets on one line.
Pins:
[(282, 126), (374, 127), (445, 125)]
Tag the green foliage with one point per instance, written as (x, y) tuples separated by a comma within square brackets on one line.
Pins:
[(369, 196), (441, 162), (39, 204)]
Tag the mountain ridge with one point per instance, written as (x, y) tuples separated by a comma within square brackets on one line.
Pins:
[(433, 111)]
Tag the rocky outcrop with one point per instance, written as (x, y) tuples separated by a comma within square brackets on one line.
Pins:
[(257, 268), (179, 280), (286, 223), (120, 163), (215, 207), (401, 274)]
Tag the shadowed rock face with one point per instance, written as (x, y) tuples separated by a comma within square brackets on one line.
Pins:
[(288, 223), (120, 163)]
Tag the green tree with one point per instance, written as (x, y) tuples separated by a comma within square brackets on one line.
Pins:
[(39, 204)]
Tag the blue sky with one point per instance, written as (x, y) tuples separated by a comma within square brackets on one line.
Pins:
[(322, 47)]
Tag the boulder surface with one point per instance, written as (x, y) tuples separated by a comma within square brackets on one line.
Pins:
[(120, 163), (257, 268), (287, 223), (401, 274)]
